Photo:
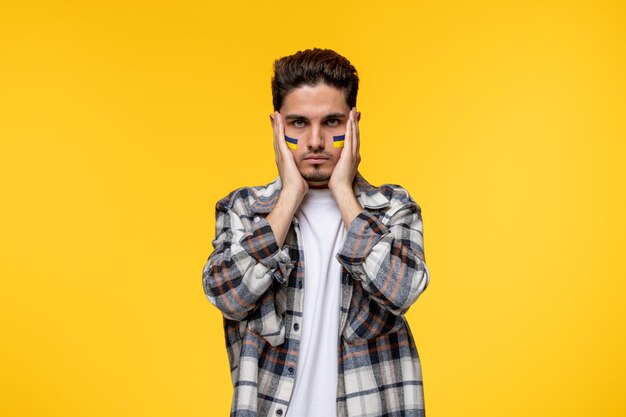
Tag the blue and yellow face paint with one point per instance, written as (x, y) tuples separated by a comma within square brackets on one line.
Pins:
[(292, 143), (338, 141)]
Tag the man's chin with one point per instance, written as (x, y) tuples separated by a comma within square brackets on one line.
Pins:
[(316, 178), (318, 184)]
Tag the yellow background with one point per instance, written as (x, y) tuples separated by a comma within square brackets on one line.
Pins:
[(123, 122)]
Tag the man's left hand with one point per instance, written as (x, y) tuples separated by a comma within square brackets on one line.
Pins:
[(340, 182), (347, 166)]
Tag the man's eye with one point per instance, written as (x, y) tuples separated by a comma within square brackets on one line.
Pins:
[(298, 123), (333, 122)]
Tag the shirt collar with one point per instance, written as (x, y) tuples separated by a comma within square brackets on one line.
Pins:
[(264, 197)]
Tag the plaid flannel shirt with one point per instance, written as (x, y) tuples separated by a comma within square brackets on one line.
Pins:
[(258, 287)]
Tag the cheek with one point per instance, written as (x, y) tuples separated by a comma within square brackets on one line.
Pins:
[(296, 156), (336, 152)]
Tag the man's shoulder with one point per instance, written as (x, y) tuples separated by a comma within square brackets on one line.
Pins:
[(396, 195), (387, 196), (240, 199)]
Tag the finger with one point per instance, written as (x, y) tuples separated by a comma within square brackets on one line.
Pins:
[(353, 133), (278, 140), (356, 124), (350, 122), (357, 138), (348, 135), (281, 137), (275, 134)]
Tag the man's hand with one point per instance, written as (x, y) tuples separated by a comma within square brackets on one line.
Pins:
[(340, 182), (294, 187), (347, 166), (290, 176)]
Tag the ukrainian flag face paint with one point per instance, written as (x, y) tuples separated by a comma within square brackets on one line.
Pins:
[(338, 141), (292, 143)]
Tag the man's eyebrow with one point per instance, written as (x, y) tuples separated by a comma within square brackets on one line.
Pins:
[(335, 116), (295, 117), (328, 116)]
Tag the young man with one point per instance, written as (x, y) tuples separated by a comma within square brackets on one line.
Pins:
[(314, 271)]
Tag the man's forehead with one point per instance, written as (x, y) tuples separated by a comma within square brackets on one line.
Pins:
[(315, 101), (315, 108), (316, 115)]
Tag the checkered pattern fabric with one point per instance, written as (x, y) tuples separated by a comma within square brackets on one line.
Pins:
[(258, 287)]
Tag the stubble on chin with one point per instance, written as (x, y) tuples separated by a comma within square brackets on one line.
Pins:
[(315, 175)]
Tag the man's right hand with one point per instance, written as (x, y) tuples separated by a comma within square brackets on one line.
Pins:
[(294, 187), (289, 174)]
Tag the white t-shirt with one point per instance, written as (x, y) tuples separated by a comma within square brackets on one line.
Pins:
[(322, 230)]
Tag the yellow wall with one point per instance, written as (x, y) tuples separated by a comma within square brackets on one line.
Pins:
[(122, 123)]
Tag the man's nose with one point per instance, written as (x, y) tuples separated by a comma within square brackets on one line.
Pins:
[(315, 140)]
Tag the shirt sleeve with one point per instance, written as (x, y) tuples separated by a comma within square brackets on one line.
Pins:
[(388, 259), (243, 264)]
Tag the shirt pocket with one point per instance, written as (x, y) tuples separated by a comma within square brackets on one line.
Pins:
[(268, 318), (366, 320)]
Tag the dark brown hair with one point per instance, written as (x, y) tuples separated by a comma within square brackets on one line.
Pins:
[(311, 66)]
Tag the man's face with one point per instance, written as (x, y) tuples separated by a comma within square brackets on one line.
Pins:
[(313, 115)]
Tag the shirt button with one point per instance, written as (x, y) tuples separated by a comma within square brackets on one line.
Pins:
[(279, 411), (290, 370), (296, 326)]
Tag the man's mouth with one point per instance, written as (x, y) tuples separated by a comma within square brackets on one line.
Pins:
[(316, 159)]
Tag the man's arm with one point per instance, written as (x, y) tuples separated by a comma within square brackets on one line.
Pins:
[(240, 270), (348, 204), (281, 215), (388, 259), (243, 264), (293, 187)]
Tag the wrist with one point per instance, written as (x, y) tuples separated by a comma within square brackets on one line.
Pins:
[(340, 184), (340, 191), (348, 204), (291, 198)]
